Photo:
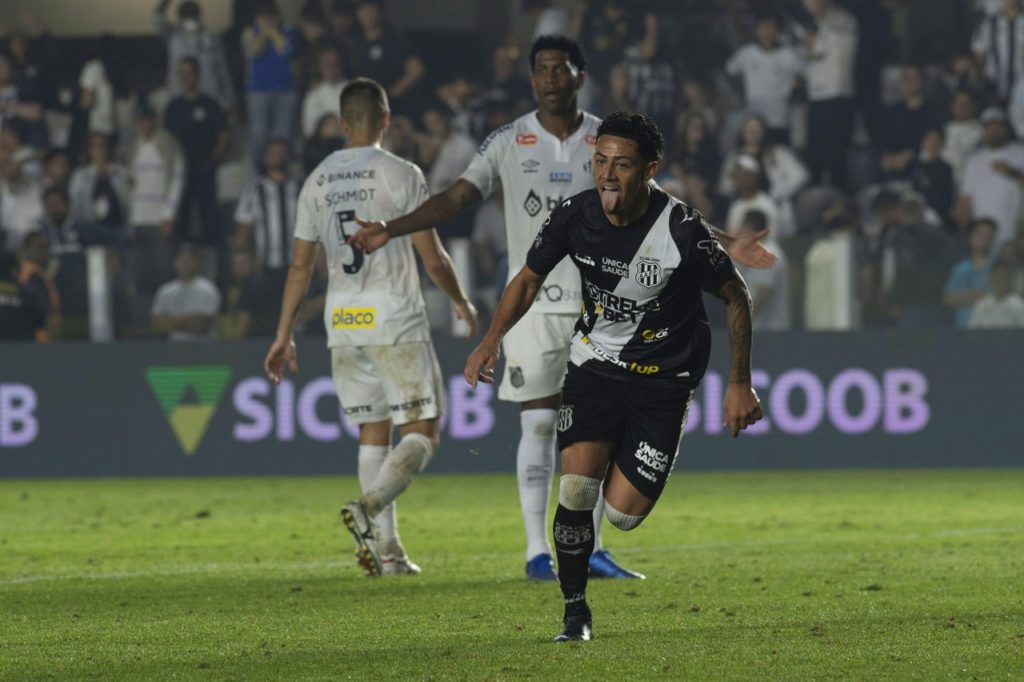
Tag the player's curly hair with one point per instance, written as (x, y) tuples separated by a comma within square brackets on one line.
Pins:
[(636, 126), (562, 44)]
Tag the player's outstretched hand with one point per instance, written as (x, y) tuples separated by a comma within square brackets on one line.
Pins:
[(466, 312), (372, 235), (741, 408), (480, 363), (280, 355), (748, 250)]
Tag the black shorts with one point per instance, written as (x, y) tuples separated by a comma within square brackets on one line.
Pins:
[(644, 422)]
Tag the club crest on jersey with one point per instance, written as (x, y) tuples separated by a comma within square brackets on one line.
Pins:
[(648, 272), (515, 376), (533, 204), (526, 139), (564, 418)]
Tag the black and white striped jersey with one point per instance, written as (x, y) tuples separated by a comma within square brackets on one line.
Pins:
[(643, 312)]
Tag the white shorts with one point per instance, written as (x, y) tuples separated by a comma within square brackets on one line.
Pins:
[(402, 382), (536, 356)]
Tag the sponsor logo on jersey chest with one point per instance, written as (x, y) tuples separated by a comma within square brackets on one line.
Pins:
[(530, 165), (533, 204), (564, 177), (354, 318), (615, 267), (526, 139), (648, 272)]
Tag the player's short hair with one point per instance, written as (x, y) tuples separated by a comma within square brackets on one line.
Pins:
[(755, 220), (560, 43), (636, 126), (978, 222), (363, 103)]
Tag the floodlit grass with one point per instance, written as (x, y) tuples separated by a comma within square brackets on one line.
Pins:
[(757, 575)]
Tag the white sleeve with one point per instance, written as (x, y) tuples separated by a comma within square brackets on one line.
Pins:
[(245, 211), (417, 190), (790, 175), (306, 215), (211, 306), (308, 115), (92, 75), (737, 62), (160, 302), (484, 170), (979, 43)]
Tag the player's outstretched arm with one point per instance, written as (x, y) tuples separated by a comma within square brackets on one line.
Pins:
[(436, 210), (442, 273), (747, 250), (300, 272), (741, 407), (519, 295)]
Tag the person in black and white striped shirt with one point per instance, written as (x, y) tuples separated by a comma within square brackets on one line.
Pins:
[(265, 215), (999, 45)]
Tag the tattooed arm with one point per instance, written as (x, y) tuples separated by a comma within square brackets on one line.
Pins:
[(741, 407)]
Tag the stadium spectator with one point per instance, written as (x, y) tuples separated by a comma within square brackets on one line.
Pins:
[(100, 191), (652, 78), (20, 191), (696, 146), (250, 300), (12, 139), (696, 188), (401, 139), (96, 97), (769, 289), (343, 30), (616, 95), (269, 45), (991, 184), (266, 212), (200, 126), (189, 38), (831, 50), (185, 308), (322, 99), (998, 44), (20, 99), (57, 223), (769, 71), (21, 318), (915, 260), (507, 96), (963, 131), (314, 39), (157, 168), (609, 30), (1003, 308), (968, 281), (831, 273), (38, 285), (56, 168), (783, 170), (904, 124), (746, 180), (445, 153), (932, 177), (490, 244), (327, 138), (382, 54)]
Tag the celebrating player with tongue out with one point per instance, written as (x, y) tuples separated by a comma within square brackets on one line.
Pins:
[(640, 346)]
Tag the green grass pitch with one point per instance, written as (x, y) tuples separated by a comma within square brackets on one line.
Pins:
[(753, 575)]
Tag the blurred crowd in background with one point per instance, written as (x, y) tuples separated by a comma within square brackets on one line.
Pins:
[(877, 139)]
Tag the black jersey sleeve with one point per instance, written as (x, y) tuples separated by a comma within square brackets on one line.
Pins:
[(552, 242), (704, 255)]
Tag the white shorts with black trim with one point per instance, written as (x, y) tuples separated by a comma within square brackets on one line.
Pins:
[(536, 356), (402, 382)]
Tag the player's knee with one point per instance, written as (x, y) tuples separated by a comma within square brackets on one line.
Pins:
[(538, 423), (621, 520), (578, 493)]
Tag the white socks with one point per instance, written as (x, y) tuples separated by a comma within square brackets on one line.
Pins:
[(598, 516), (405, 461), (535, 469), (371, 459)]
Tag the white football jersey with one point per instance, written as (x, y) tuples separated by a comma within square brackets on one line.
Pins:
[(537, 171), (372, 299)]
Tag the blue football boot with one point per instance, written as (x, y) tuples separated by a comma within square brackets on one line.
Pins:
[(603, 565), (541, 567)]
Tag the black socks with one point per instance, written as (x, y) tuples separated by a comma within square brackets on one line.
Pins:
[(574, 543)]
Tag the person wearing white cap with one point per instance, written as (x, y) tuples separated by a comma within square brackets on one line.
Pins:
[(993, 181), (746, 179)]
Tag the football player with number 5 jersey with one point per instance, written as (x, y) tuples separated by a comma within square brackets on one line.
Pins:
[(540, 159), (382, 359)]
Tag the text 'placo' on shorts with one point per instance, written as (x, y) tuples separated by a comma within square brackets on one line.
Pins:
[(536, 352), (644, 422), (401, 382)]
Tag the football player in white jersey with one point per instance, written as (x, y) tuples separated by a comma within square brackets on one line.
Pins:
[(382, 359), (540, 159)]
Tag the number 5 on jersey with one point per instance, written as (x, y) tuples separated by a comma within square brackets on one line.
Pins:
[(357, 255)]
